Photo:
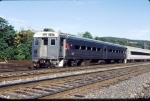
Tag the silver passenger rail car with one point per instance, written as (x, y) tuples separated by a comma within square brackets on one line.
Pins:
[(45, 49), (52, 49), (137, 54)]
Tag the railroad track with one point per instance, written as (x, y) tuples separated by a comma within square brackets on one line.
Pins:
[(45, 75), (36, 89), (19, 68), (6, 74), (12, 67)]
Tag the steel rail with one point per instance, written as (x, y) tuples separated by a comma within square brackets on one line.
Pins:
[(62, 75), (80, 83), (44, 70)]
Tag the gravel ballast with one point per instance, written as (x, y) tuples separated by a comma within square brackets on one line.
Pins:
[(132, 88), (52, 76)]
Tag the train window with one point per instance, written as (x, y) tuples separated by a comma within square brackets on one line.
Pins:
[(116, 51), (83, 48), (101, 49), (77, 47), (45, 41), (110, 50), (36, 42), (105, 50), (138, 53), (94, 49), (88, 48), (119, 51), (52, 41), (98, 49)]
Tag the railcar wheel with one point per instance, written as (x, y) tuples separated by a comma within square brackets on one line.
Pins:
[(47, 65), (65, 64), (40, 65), (76, 63), (52, 65), (83, 63), (79, 63), (71, 63), (121, 61), (108, 61), (35, 65)]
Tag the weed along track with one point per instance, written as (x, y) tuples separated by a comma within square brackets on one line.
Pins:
[(66, 85)]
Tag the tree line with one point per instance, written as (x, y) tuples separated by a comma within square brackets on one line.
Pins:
[(14, 45), (120, 41), (17, 45)]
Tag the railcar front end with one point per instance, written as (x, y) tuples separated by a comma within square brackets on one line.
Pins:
[(45, 49)]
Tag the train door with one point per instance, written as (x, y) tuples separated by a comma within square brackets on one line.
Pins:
[(105, 52), (62, 51), (53, 48), (44, 45)]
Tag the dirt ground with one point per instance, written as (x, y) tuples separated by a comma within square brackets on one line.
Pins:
[(15, 63)]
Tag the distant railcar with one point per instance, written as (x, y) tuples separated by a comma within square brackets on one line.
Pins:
[(137, 54), (52, 49)]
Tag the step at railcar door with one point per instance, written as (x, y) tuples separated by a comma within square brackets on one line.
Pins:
[(44, 48)]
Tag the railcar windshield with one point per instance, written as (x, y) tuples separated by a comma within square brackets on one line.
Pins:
[(36, 41), (52, 41), (45, 41)]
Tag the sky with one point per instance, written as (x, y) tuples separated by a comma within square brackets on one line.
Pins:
[(116, 18)]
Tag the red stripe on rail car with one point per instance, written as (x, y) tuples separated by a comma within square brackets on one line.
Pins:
[(68, 47)]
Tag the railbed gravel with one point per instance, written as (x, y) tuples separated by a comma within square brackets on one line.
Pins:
[(131, 88), (50, 76)]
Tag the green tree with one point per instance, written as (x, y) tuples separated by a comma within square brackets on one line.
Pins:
[(22, 52), (7, 34), (103, 39), (48, 29), (80, 34), (96, 38), (23, 41), (87, 35)]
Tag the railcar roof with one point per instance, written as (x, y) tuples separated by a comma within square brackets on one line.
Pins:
[(97, 41), (56, 34), (137, 49)]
